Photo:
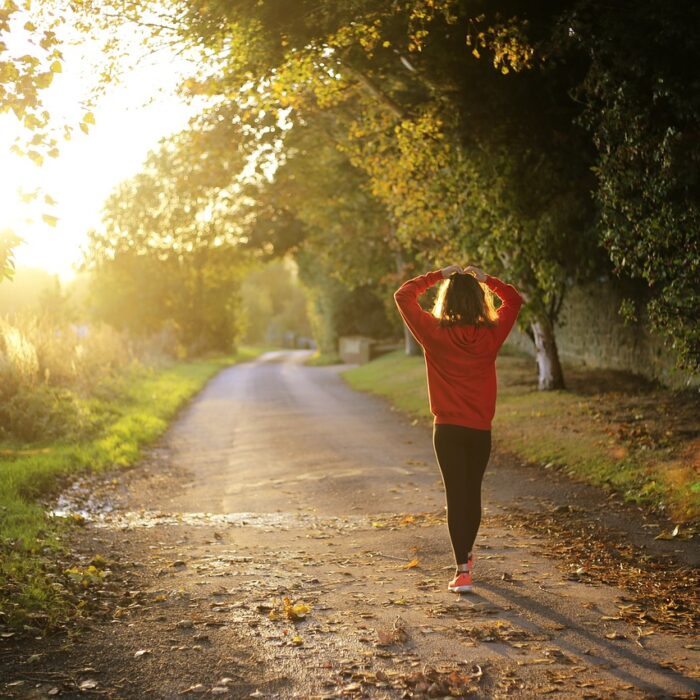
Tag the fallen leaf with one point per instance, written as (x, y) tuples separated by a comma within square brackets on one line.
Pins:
[(197, 688), (615, 635), (411, 564)]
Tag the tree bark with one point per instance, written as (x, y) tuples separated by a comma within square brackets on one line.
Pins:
[(373, 89), (550, 375), (411, 345)]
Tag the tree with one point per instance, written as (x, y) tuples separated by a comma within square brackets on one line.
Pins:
[(8, 242), (274, 303), (30, 57), (169, 249), (642, 100), (459, 115), (342, 242), (449, 144)]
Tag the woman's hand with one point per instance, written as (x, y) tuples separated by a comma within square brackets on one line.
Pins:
[(450, 270), (478, 273)]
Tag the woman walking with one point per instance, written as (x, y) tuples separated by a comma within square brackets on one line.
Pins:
[(460, 339)]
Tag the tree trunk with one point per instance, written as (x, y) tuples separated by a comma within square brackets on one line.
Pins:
[(550, 375), (411, 345)]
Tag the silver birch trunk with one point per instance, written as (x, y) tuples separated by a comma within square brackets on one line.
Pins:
[(550, 375)]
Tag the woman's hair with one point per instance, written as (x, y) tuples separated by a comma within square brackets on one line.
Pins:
[(461, 301)]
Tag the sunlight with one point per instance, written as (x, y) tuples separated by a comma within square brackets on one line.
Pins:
[(72, 188)]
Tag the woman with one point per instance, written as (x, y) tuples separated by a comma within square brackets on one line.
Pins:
[(461, 338)]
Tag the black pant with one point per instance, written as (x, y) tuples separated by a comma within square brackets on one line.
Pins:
[(462, 454)]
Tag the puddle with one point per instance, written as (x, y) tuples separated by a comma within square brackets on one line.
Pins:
[(109, 518), (84, 499)]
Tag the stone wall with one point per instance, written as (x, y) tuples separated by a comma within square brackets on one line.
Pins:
[(592, 333)]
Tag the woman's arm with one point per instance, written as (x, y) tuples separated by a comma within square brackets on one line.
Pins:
[(510, 298), (420, 322), (511, 301)]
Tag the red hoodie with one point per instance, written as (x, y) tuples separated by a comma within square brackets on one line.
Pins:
[(460, 360)]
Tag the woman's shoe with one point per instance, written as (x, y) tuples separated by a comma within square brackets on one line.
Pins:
[(462, 583)]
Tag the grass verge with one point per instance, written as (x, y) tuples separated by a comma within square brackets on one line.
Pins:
[(319, 360), (125, 415), (609, 428)]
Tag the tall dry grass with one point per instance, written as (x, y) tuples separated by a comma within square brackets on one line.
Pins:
[(49, 370)]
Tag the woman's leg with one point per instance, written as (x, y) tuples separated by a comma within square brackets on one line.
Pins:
[(462, 455)]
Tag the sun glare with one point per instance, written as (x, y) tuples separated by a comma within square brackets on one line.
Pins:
[(71, 188)]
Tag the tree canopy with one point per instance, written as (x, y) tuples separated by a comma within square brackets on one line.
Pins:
[(551, 143)]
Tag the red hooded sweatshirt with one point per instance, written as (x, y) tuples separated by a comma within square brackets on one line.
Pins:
[(460, 360)]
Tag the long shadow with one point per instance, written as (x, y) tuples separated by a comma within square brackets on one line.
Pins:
[(604, 650)]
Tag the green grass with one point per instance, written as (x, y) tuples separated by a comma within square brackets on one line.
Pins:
[(127, 414), (560, 429), (319, 360)]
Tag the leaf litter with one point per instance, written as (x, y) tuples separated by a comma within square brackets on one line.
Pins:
[(657, 591)]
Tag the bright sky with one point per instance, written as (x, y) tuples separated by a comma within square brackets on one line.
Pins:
[(89, 166)]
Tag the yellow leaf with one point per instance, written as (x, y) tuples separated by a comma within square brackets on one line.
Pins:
[(56, 67), (296, 640), (89, 118), (36, 157), (301, 609), (43, 80), (83, 127), (411, 564), (296, 611), (50, 220)]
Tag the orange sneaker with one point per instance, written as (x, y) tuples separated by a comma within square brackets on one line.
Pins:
[(462, 582)]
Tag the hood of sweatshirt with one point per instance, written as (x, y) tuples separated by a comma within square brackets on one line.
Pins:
[(475, 340)]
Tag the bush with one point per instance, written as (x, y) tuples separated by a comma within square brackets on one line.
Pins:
[(49, 371), (40, 414)]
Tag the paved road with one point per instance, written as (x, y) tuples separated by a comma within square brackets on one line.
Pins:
[(276, 434), (280, 481)]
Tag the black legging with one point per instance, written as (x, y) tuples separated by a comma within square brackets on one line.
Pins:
[(462, 454)]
